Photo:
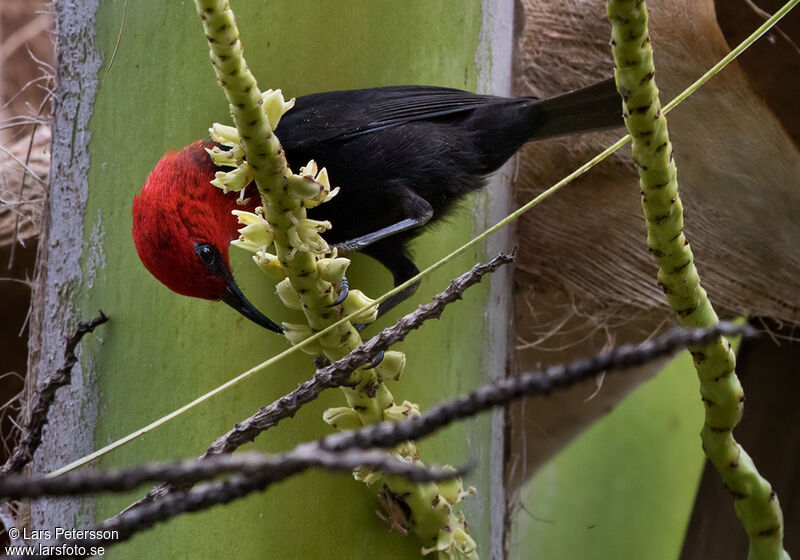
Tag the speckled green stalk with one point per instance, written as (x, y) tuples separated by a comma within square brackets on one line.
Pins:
[(262, 149), (369, 401), (756, 504)]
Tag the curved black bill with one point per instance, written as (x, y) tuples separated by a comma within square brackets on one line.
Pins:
[(235, 298)]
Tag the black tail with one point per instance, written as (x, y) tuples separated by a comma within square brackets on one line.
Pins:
[(591, 108), (504, 126)]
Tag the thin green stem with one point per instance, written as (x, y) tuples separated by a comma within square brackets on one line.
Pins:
[(756, 504)]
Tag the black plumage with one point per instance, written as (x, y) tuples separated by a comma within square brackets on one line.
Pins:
[(403, 156)]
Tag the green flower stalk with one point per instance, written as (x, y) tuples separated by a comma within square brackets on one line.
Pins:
[(755, 502), (288, 247)]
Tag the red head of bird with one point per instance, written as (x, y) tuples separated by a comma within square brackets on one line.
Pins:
[(183, 226)]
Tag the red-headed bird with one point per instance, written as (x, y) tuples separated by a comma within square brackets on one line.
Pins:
[(182, 226), (402, 157)]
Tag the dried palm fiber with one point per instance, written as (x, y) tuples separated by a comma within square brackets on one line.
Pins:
[(26, 52), (583, 259), (21, 203)]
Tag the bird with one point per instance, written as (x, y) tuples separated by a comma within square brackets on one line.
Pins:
[(402, 157)]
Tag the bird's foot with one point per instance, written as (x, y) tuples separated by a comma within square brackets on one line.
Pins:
[(321, 361), (343, 288), (376, 361)]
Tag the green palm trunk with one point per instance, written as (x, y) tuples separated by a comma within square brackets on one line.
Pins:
[(161, 350)]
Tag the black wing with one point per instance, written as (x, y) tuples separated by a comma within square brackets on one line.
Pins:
[(322, 117)]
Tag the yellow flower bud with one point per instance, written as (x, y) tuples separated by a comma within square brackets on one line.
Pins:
[(294, 239), (256, 231), (444, 542), (367, 476), (355, 301), (322, 178), (407, 450), (342, 418), (224, 134), (231, 157), (303, 186), (296, 334), (247, 218), (451, 490), (464, 542), (398, 412), (304, 234), (270, 265), (393, 364), (309, 169), (246, 245), (325, 193), (316, 226), (331, 194), (233, 181), (275, 106), (333, 269), (288, 294), (242, 200), (258, 234)]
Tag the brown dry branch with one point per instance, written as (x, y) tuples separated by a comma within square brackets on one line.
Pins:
[(340, 451), (43, 399), (505, 391), (251, 464), (382, 435), (335, 374), (122, 527)]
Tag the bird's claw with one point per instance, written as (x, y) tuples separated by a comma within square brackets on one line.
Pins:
[(321, 361), (344, 288), (376, 361)]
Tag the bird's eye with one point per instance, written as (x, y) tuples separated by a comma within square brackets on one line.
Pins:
[(207, 253)]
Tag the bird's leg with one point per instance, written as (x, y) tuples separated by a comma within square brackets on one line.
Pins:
[(416, 209), (322, 361), (375, 361), (343, 288), (393, 257)]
